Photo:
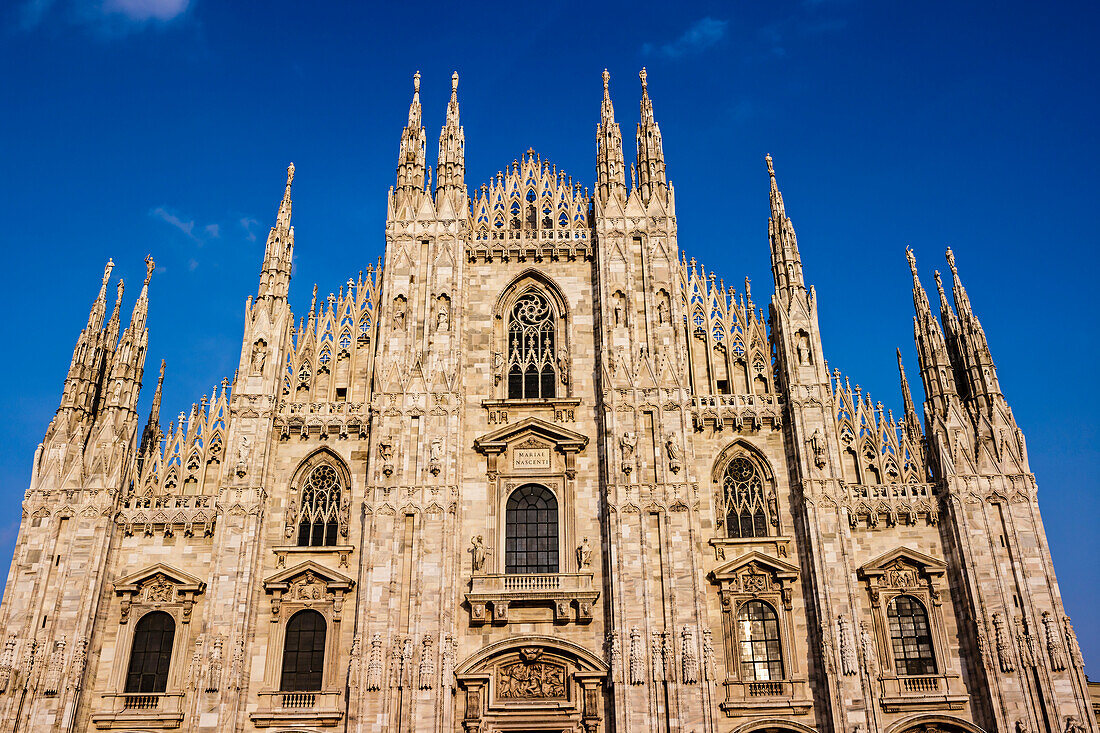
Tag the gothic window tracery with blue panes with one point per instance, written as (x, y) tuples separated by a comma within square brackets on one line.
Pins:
[(532, 341), (319, 516), (744, 508)]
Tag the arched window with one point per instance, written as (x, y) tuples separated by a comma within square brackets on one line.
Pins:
[(744, 508), (304, 652), (151, 654), (758, 635), (532, 345), (910, 636), (531, 531), (319, 518)]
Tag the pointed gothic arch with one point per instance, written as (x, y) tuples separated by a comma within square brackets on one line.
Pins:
[(746, 502), (531, 337), (319, 500)]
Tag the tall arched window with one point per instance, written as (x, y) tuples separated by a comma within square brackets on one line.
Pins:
[(758, 635), (319, 517), (531, 531), (744, 508), (532, 345), (304, 652), (151, 653), (910, 636)]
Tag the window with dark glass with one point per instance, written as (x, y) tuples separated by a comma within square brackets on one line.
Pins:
[(531, 531), (151, 653), (304, 652), (758, 635), (319, 518), (745, 510), (532, 366), (910, 636)]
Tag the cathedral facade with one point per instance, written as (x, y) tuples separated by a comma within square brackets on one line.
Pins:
[(536, 471)]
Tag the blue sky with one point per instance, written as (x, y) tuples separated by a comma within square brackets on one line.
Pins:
[(164, 126)]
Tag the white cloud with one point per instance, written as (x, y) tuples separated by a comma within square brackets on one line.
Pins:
[(110, 17), (187, 227), (247, 223), (143, 10), (212, 230), (700, 35)]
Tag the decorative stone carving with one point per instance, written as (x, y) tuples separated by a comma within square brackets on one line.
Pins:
[(614, 654), (563, 365), (385, 452), (1054, 646), (435, 457), (1071, 642), (195, 669), (307, 588), (867, 647), (213, 677), (675, 454), (1000, 640), (531, 678), (689, 660), (354, 662), (584, 555), (848, 659), (817, 447), (259, 357), (659, 654), (51, 683), (244, 450), (477, 553), (627, 443), (7, 662), (374, 663), (426, 670), (1072, 726), (79, 664), (1025, 643), (157, 590), (709, 672), (637, 656), (450, 648)]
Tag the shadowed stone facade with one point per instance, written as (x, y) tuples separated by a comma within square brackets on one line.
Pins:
[(537, 471)]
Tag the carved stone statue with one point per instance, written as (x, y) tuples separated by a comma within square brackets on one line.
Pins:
[(563, 365), (435, 456), (1072, 726), (1021, 727), (243, 451), (477, 553), (259, 356), (443, 319), (584, 555), (627, 443), (675, 455), (662, 312), (399, 314), (385, 452), (817, 446)]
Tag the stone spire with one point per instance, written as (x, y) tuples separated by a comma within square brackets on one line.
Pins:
[(410, 158), (935, 361), (786, 260), (150, 437), (974, 358), (651, 156), (279, 251), (610, 167), (82, 383), (912, 424), (451, 165)]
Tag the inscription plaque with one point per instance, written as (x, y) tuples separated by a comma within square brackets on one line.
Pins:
[(527, 458)]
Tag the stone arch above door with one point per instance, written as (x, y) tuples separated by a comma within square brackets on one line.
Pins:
[(934, 724), (536, 679)]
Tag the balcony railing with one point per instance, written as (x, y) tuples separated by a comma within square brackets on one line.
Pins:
[(141, 702), (497, 591), (299, 699)]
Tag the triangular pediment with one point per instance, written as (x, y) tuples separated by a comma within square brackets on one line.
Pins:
[(563, 439), (330, 578), (928, 564), (183, 581), (758, 559)]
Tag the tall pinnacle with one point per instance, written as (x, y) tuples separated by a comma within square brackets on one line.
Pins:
[(786, 259), (279, 250), (912, 424), (99, 305), (932, 352), (451, 165), (610, 167), (410, 157), (651, 156)]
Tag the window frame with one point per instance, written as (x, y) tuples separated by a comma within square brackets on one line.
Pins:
[(555, 540), (302, 613), (740, 642), (293, 516), (158, 677), (765, 509), (561, 360), (930, 658)]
